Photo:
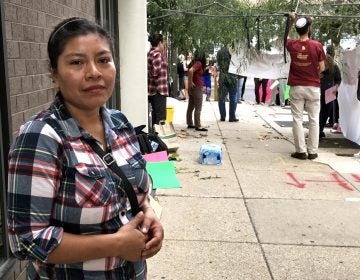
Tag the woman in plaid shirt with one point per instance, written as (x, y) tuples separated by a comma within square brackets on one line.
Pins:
[(67, 213)]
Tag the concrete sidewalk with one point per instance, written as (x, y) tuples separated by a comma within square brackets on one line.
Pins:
[(261, 214)]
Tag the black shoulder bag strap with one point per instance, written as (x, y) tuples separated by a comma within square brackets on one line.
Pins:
[(110, 162)]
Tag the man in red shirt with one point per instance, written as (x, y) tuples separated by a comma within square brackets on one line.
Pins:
[(307, 62), (157, 78)]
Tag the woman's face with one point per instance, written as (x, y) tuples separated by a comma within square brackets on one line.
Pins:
[(86, 73)]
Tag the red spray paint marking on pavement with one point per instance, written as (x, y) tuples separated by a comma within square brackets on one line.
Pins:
[(357, 177), (341, 182), (337, 179), (296, 182)]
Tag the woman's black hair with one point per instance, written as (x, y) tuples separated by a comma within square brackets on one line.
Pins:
[(330, 50), (155, 39), (199, 55), (69, 29), (329, 63)]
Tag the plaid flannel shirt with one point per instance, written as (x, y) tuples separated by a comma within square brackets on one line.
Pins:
[(157, 73), (58, 184)]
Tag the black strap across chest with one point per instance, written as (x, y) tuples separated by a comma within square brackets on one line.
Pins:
[(110, 162)]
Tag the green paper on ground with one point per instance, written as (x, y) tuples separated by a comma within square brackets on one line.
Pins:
[(163, 174)]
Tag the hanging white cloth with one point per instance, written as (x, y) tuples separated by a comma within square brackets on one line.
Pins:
[(349, 105)]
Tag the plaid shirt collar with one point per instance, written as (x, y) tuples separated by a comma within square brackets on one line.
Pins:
[(70, 127)]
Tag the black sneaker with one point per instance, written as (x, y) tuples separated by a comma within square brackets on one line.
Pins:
[(299, 155), (233, 120), (201, 129), (312, 156)]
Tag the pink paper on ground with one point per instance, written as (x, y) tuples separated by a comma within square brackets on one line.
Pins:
[(155, 157)]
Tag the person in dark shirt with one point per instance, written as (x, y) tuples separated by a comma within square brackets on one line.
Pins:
[(181, 73), (227, 85), (329, 78)]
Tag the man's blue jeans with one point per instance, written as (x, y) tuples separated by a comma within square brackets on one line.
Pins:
[(239, 84), (227, 84)]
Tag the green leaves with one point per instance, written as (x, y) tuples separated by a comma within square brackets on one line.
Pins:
[(205, 23)]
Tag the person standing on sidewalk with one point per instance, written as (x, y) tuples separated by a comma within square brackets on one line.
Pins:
[(157, 78), (239, 88), (188, 59), (280, 88), (243, 88), (263, 83), (196, 83), (227, 84), (181, 74), (329, 78), (334, 111), (207, 79), (307, 62), (68, 213)]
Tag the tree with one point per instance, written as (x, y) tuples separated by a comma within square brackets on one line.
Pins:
[(205, 23), (193, 24)]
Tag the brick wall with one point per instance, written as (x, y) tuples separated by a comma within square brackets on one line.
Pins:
[(28, 24)]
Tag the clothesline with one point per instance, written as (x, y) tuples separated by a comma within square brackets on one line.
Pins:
[(233, 14), (251, 16)]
